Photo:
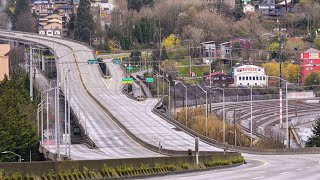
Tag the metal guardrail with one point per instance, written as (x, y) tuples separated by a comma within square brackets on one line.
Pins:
[(200, 101)]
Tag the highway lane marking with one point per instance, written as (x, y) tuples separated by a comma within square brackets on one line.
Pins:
[(260, 177), (284, 172), (299, 169)]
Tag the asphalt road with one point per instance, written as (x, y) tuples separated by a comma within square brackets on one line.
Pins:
[(277, 167)]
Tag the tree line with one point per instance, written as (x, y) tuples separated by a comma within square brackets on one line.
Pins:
[(17, 118)]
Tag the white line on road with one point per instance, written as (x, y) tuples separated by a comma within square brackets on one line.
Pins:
[(299, 169), (284, 172), (260, 177), (109, 83)]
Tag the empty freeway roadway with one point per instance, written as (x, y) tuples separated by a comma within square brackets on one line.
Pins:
[(111, 140)]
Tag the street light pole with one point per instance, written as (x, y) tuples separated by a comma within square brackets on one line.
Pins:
[(206, 107), (288, 139), (223, 113), (287, 103), (251, 144), (224, 119), (186, 104), (7, 152)]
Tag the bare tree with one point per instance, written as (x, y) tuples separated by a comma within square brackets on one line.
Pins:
[(16, 60), (25, 22)]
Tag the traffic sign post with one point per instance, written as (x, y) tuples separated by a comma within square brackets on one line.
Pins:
[(116, 61), (149, 80), (130, 68), (92, 61), (127, 81)]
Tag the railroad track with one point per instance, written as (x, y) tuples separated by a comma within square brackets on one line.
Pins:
[(270, 115)]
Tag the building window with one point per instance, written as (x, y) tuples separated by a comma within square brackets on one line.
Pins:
[(250, 78), (224, 78), (255, 83), (264, 78), (254, 78), (260, 78), (307, 68), (311, 61), (223, 84), (247, 78), (243, 78), (259, 69), (239, 78)]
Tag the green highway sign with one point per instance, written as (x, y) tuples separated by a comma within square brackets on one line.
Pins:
[(149, 80), (130, 68), (116, 61), (127, 81), (92, 61)]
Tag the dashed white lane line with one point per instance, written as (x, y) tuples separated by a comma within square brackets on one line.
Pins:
[(260, 177), (298, 169), (284, 172)]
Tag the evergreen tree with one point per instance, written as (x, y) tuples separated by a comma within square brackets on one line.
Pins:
[(70, 25), (17, 115), (84, 22), (314, 140)]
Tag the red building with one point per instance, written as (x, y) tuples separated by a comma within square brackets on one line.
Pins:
[(309, 62)]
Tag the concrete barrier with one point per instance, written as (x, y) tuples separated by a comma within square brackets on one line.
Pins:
[(40, 168)]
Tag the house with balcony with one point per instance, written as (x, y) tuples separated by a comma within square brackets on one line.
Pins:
[(309, 62), (218, 79), (43, 7), (52, 25)]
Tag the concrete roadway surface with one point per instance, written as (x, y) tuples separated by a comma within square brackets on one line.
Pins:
[(112, 142), (276, 167), (138, 116)]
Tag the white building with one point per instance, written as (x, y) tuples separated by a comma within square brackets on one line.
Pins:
[(208, 51), (249, 75)]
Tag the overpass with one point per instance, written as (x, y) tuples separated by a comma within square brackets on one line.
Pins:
[(120, 127)]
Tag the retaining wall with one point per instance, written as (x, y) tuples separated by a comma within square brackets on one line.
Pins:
[(40, 168)]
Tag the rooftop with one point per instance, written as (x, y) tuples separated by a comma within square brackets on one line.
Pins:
[(312, 50)]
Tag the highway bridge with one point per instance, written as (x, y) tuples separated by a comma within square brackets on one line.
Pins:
[(123, 128), (120, 127)]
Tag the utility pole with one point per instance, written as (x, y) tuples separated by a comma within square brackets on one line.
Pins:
[(234, 126), (30, 73), (251, 118)]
